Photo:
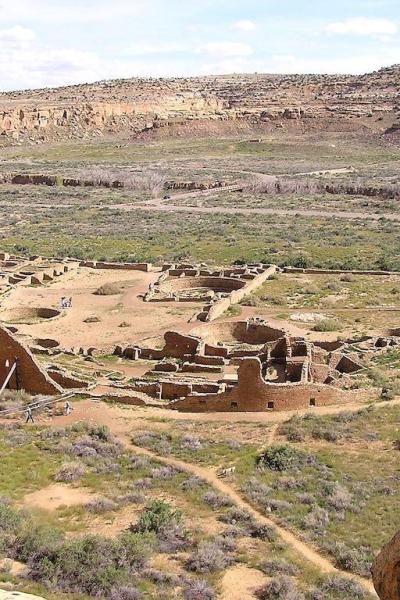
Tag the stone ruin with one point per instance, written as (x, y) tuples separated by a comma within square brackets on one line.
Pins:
[(217, 290), (19, 370), (275, 371)]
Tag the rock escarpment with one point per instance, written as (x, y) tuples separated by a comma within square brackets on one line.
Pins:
[(386, 571), (136, 106)]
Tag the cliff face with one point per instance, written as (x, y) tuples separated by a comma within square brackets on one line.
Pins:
[(386, 571), (141, 105)]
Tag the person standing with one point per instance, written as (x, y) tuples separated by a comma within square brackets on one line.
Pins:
[(29, 415)]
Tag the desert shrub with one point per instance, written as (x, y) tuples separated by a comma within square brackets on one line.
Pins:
[(189, 442), (235, 516), (108, 289), (263, 532), (306, 498), (125, 592), (254, 301), (143, 484), (192, 483), (135, 548), (35, 544), (327, 325), (282, 458), (87, 565), (391, 390), (216, 500), (156, 516), (335, 587), (326, 433), (131, 498), (101, 432), (70, 472), (93, 319), (172, 538), (355, 560), (227, 543), (101, 505), (317, 519), (256, 491), (346, 417), (333, 286), (234, 444), (280, 588), (95, 446), (160, 577), (10, 520), (164, 472), (158, 442), (208, 558), (16, 438), (138, 462), (276, 566), (289, 483), (198, 590), (106, 466), (340, 498)]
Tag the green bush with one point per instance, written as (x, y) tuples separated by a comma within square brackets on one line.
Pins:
[(157, 516), (327, 325), (282, 458)]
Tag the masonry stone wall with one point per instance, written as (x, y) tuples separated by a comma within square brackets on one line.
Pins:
[(145, 267), (254, 394), (221, 306), (31, 377)]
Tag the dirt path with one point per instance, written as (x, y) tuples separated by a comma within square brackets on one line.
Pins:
[(118, 422), (348, 215)]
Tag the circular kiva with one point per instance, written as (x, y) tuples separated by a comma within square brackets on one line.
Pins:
[(216, 284), (241, 332), (28, 313)]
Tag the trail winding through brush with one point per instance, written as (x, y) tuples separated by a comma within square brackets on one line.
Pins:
[(120, 425)]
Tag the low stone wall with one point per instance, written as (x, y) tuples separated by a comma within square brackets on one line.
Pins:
[(336, 271), (145, 267), (67, 381), (220, 307)]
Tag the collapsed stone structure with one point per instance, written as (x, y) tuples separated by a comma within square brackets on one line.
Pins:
[(275, 371), (33, 270), (219, 365), (19, 370)]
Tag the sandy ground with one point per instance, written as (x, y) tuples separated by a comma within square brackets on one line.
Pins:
[(241, 583), (145, 319), (56, 495)]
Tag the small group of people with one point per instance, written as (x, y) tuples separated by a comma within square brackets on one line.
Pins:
[(66, 302), (68, 408)]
